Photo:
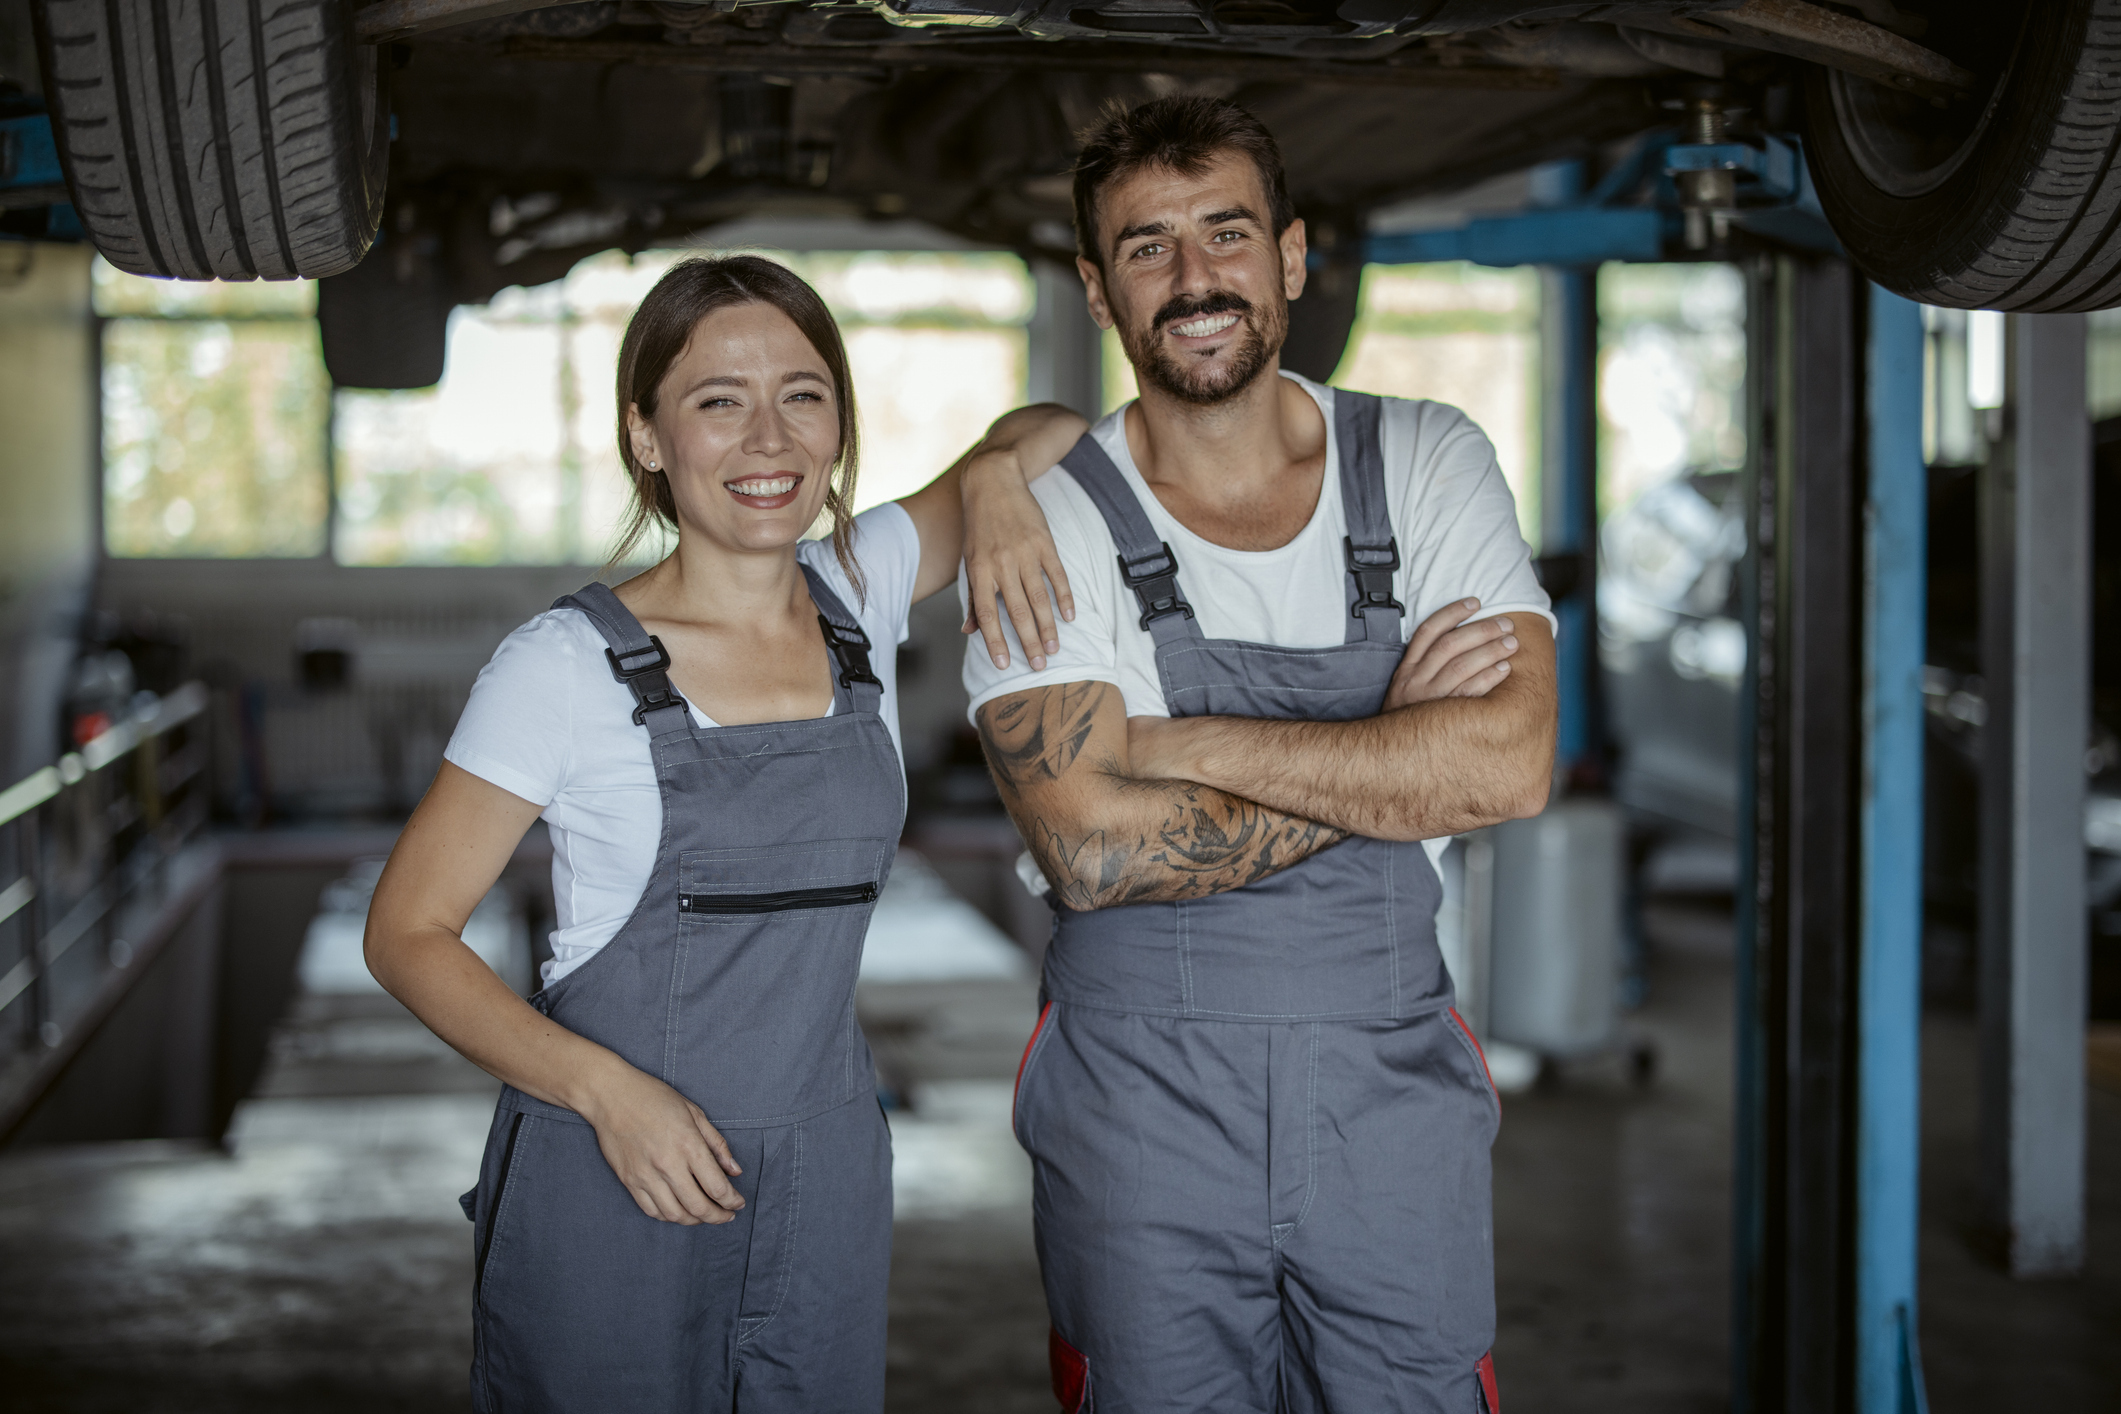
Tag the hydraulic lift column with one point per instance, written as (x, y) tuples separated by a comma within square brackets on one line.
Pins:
[(1797, 876), (1888, 1119), (1825, 1191)]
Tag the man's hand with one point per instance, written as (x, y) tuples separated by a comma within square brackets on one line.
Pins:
[(1448, 657)]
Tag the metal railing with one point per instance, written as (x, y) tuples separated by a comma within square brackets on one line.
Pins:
[(79, 841)]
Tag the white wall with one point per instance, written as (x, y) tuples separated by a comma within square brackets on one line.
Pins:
[(47, 489)]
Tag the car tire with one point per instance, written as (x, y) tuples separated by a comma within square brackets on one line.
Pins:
[(385, 323), (2009, 201), (218, 139), (1321, 321)]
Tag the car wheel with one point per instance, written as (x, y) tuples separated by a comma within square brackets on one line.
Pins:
[(218, 139), (2009, 199)]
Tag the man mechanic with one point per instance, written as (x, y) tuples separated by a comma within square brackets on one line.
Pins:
[(1260, 1134)]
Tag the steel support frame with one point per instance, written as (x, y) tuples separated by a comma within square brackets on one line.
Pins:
[(1568, 482), (2036, 660), (1828, 1004), (1568, 502), (1066, 347)]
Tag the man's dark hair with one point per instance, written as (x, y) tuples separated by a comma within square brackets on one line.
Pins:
[(1179, 134)]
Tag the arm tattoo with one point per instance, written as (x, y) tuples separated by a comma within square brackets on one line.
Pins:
[(1165, 839), (1038, 736)]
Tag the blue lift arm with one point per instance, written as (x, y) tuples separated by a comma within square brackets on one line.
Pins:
[(1633, 214)]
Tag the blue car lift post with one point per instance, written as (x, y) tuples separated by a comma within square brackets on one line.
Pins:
[(34, 205), (1825, 1195)]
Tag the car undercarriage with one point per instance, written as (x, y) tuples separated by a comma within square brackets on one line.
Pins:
[(1959, 152), (564, 126)]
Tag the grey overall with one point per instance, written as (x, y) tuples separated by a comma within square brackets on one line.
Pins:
[(1259, 1132), (733, 981)]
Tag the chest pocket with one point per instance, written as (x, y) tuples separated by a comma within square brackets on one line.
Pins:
[(1220, 677), (746, 881)]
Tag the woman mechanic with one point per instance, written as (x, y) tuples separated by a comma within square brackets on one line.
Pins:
[(685, 1201)]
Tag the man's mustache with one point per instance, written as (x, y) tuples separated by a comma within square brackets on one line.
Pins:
[(1180, 307)]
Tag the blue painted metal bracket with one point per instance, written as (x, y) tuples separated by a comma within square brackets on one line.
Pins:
[(1775, 194), (1567, 236), (34, 204), (29, 158), (1776, 166)]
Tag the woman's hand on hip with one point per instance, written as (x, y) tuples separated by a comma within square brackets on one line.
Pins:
[(676, 1165)]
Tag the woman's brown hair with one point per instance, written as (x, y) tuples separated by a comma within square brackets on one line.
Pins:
[(657, 335)]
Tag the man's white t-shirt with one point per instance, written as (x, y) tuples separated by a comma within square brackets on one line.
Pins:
[(1449, 506), (548, 722)]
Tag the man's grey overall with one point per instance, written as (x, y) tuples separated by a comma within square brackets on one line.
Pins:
[(733, 981), (1259, 1133)]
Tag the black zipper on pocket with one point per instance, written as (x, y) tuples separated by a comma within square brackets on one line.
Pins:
[(837, 896)]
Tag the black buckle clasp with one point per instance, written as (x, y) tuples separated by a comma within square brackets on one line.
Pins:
[(1373, 578), (850, 649), (647, 679), (1157, 588)]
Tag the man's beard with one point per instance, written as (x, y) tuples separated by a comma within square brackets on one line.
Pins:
[(1200, 382)]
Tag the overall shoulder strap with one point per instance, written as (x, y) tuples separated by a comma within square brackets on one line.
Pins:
[(1369, 549), (854, 686), (1146, 563), (637, 659)]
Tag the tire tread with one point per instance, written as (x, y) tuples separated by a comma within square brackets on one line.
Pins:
[(208, 139)]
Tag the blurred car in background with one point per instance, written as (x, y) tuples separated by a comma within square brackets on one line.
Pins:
[(1673, 651)]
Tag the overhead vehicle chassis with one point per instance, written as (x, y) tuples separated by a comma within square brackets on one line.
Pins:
[(1961, 150)]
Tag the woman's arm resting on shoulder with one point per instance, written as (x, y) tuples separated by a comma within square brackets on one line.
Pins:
[(453, 849), (981, 511)]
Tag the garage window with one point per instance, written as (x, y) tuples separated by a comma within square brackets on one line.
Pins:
[(1671, 376), (512, 458), (215, 406), (223, 439), (1461, 334)]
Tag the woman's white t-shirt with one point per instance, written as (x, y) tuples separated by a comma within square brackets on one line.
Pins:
[(548, 722)]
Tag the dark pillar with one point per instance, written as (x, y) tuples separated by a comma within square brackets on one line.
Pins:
[(1568, 505), (1794, 1191)]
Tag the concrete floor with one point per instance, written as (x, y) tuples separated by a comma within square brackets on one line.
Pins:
[(323, 1264)]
